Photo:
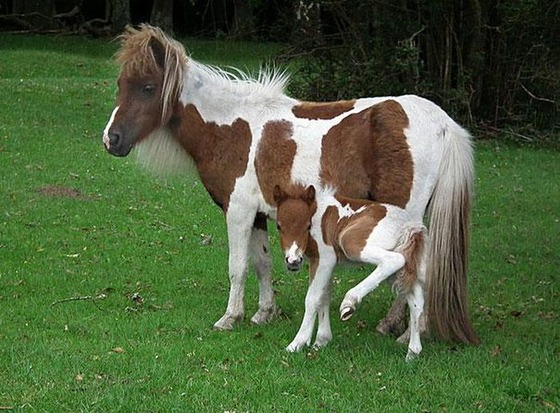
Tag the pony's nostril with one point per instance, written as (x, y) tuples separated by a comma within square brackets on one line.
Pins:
[(114, 138)]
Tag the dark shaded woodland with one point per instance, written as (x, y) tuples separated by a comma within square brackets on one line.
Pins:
[(494, 64)]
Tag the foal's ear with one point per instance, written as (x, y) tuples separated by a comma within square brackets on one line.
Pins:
[(309, 194), (159, 52), (279, 195)]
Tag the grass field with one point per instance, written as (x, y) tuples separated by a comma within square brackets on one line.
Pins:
[(111, 280)]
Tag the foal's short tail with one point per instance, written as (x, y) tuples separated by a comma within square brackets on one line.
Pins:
[(448, 249), (411, 246)]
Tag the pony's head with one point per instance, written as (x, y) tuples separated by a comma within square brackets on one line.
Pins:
[(295, 209), (149, 87)]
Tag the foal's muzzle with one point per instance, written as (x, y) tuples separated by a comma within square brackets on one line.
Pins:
[(293, 264)]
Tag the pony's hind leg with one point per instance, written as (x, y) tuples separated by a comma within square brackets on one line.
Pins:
[(415, 299), (262, 262), (388, 262), (394, 322)]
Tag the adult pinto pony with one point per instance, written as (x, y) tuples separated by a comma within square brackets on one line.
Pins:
[(244, 136)]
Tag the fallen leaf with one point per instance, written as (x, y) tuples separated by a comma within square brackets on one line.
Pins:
[(496, 351), (118, 350), (516, 313), (361, 325)]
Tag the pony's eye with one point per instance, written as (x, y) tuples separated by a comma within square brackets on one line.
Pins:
[(278, 226), (148, 89), (309, 227)]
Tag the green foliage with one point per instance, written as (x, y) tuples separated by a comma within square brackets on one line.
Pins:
[(110, 280), (487, 63)]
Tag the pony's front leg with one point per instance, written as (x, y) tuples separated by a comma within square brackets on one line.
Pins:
[(239, 224), (387, 262), (316, 298), (262, 262)]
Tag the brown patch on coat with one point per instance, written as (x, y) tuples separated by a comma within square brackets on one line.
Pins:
[(274, 158), (326, 110), (376, 162), (220, 152), (354, 230), (348, 235)]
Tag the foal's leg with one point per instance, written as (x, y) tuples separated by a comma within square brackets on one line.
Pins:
[(388, 262), (315, 298), (324, 332), (262, 262), (239, 224)]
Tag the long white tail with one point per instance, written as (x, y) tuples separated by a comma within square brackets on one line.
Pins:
[(447, 306)]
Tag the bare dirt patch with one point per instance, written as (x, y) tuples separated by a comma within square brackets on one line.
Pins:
[(63, 192)]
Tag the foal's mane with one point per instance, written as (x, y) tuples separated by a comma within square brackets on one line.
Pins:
[(148, 50)]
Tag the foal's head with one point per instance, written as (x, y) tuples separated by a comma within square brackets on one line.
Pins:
[(296, 207), (149, 87)]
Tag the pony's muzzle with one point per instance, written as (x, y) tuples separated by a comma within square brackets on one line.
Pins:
[(116, 144), (113, 139)]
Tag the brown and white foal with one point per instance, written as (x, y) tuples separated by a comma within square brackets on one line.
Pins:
[(328, 228)]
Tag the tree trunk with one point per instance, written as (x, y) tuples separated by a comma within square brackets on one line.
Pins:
[(44, 7), (162, 15), (243, 19), (118, 14)]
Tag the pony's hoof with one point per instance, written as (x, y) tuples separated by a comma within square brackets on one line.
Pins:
[(226, 323), (404, 338), (321, 342), (411, 355), (391, 327), (346, 313), (263, 316), (296, 345)]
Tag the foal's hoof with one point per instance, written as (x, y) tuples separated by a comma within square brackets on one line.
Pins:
[(346, 313)]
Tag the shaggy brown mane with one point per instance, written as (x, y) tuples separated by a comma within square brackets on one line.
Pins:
[(138, 56)]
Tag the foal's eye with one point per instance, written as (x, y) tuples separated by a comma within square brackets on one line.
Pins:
[(309, 227), (278, 226)]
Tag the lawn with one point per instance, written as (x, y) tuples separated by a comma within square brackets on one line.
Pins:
[(111, 280)]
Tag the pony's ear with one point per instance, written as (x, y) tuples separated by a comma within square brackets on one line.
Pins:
[(279, 195), (159, 52), (309, 194)]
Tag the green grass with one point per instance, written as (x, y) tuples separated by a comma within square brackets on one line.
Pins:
[(76, 222)]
